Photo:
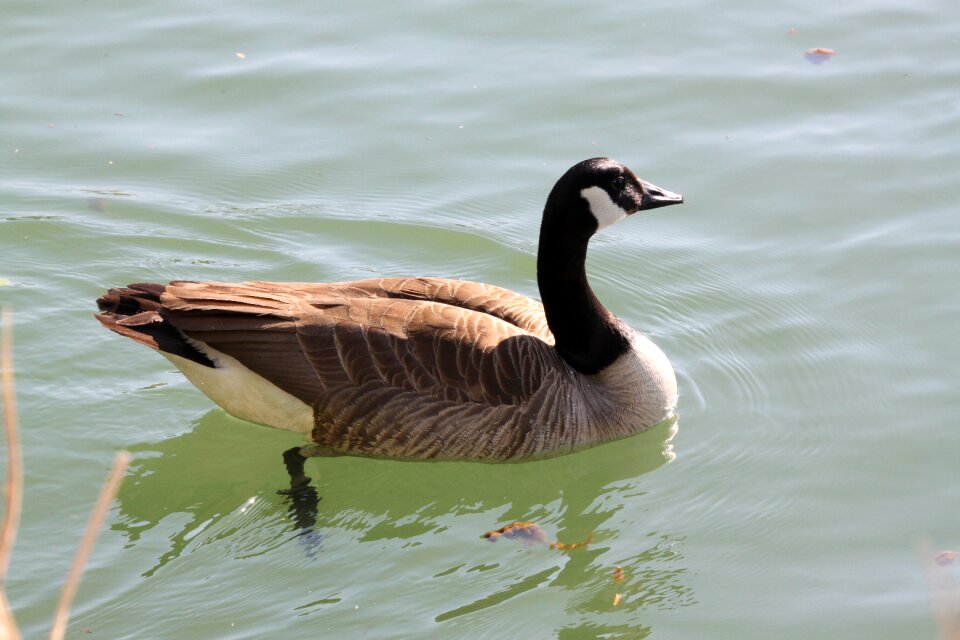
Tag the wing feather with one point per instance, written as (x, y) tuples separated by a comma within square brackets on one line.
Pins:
[(455, 341)]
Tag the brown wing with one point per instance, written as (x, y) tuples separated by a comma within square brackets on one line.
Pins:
[(453, 340), (504, 304)]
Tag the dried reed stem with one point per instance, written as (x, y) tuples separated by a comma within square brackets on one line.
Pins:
[(14, 498), (97, 517), (14, 486), (8, 627), (99, 514), (944, 593)]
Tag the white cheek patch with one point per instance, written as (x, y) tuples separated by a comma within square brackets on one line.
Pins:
[(604, 209)]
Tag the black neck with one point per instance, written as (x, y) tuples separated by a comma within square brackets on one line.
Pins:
[(587, 336)]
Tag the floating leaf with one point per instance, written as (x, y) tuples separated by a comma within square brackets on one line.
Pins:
[(530, 533), (818, 55)]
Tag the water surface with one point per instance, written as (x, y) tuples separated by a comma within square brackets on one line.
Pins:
[(806, 294)]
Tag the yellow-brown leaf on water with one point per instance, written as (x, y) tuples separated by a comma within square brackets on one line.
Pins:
[(527, 532), (618, 573), (575, 545), (818, 55), (530, 534), (617, 598)]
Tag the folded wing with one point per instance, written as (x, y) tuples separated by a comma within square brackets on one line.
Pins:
[(451, 340)]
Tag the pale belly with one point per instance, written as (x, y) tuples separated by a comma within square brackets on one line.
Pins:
[(245, 394)]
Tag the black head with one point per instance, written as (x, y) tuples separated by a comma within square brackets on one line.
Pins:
[(607, 191)]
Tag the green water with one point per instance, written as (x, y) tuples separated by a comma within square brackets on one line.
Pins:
[(806, 293)]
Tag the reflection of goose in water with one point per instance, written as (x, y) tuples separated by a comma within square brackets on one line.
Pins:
[(186, 496), (426, 367)]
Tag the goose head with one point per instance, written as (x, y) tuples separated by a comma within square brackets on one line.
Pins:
[(590, 196), (599, 192)]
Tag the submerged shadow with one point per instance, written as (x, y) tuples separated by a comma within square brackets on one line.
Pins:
[(220, 470), (221, 479)]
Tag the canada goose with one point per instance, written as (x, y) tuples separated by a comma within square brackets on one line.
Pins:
[(425, 367)]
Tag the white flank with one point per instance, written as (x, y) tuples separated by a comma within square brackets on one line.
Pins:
[(243, 393), (642, 380), (605, 210)]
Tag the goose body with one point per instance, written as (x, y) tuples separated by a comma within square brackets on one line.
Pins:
[(425, 367)]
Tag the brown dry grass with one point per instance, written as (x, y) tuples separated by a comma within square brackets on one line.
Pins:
[(14, 500), (944, 592)]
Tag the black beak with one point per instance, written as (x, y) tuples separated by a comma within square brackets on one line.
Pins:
[(654, 196)]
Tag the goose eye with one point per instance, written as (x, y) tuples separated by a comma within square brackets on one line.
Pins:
[(618, 183)]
